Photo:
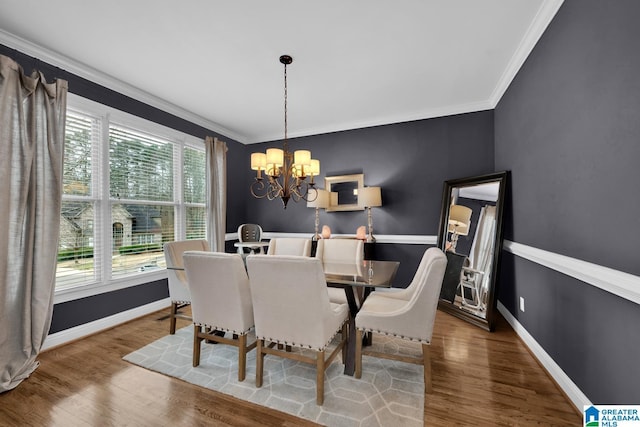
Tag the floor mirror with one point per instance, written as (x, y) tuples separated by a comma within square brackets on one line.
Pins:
[(470, 234)]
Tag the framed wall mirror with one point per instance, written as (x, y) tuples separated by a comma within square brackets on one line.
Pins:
[(470, 234), (344, 192)]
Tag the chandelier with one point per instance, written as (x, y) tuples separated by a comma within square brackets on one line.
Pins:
[(286, 172)]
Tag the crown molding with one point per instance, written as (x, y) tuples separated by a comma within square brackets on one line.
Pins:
[(98, 77), (450, 110), (538, 26)]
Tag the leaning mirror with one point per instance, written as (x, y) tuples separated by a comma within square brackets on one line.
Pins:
[(344, 192), (470, 233)]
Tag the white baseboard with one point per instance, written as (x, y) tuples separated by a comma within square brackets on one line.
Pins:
[(572, 391), (72, 334)]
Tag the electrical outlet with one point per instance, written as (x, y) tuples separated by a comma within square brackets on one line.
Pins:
[(522, 304)]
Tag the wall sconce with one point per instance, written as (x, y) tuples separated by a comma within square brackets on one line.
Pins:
[(322, 201), (369, 197)]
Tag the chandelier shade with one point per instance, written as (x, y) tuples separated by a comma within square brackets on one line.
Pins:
[(288, 175)]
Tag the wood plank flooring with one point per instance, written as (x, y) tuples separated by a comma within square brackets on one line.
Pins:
[(479, 379)]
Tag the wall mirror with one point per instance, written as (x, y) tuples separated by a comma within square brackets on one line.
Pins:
[(470, 233), (344, 192)]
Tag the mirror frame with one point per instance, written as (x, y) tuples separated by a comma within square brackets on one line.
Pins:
[(488, 322), (339, 179)]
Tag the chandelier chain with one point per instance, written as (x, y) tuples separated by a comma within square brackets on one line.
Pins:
[(285, 103)]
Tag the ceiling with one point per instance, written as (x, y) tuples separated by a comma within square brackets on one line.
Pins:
[(356, 63)]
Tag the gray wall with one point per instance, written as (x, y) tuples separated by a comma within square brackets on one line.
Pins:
[(568, 129), (410, 161)]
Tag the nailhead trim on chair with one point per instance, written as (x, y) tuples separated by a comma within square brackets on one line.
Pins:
[(180, 302), (395, 335), (218, 328), (298, 345)]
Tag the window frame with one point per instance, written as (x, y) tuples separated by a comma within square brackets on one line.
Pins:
[(104, 279)]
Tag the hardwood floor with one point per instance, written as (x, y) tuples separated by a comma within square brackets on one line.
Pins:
[(479, 379)]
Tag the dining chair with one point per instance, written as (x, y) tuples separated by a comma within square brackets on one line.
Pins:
[(292, 308), (221, 301), (248, 233), (289, 246), (411, 319), (346, 251), (178, 288)]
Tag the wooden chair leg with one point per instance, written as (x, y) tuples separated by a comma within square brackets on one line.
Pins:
[(259, 362), (320, 377), (358, 368), (344, 343), (172, 318), (196, 345), (426, 357), (242, 357)]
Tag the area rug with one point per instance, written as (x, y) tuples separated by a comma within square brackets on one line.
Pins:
[(389, 393)]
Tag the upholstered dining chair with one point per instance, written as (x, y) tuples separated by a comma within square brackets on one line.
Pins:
[(408, 314), (178, 288), (291, 308), (289, 246), (347, 251), (221, 301)]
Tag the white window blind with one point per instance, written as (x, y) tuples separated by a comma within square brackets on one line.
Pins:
[(140, 171), (76, 261), (194, 187), (130, 185)]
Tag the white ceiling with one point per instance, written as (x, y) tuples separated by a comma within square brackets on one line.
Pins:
[(356, 63)]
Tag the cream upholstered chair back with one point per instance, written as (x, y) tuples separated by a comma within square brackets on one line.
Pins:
[(345, 251), (221, 302), (289, 246), (220, 293), (291, 307), (340, 250), (407, 293), (178, 289), (290, 301), (413, 318)]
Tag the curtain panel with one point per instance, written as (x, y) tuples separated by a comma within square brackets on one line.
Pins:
[(32, 125), (216, 177)]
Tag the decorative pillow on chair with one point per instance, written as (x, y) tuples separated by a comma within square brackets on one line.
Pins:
[(361, 233), (326, 232)]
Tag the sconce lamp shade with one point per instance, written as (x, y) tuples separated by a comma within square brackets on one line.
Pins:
[(258, 161), (302, 157), (275, 156), (321, 201), (315, 167), (369, 197), (459, 217)]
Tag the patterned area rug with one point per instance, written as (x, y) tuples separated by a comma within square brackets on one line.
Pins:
[(389, 393)]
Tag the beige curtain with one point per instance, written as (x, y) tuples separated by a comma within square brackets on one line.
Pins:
[(32, 119), (216, 152)]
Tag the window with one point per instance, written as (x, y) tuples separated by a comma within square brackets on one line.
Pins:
[(129, 187)]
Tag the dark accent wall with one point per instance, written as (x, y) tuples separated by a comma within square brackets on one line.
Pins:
[(410, 161), (84, 310), (568, 129)]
